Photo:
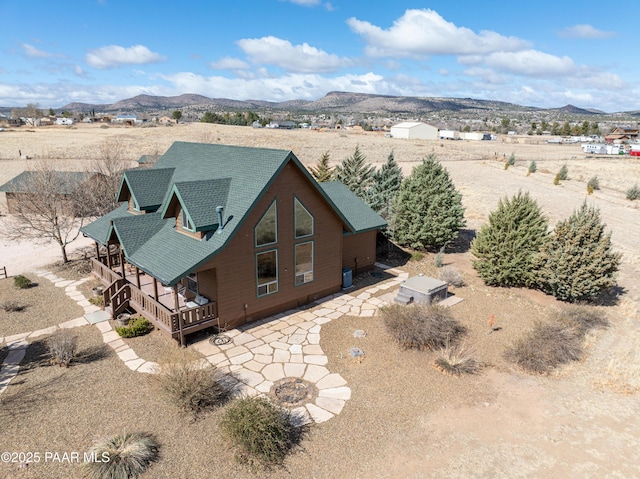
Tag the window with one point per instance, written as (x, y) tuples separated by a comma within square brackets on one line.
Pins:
[(304, 263), (192, 282), (303, 220), (267, 272), (266, 231), (186, 222)]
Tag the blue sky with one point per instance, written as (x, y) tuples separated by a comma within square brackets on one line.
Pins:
[(538, 53)]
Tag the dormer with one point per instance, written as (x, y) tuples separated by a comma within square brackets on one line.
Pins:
[(144, 190), (198, 206)]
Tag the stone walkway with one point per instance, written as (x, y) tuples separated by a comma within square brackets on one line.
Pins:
[(259, 354), (288, 346)]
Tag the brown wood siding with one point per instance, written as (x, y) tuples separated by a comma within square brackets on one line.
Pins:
[(359, 251), (236, 265), (207, 284)]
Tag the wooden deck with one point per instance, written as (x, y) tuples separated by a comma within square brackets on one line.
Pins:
[(138, 291)]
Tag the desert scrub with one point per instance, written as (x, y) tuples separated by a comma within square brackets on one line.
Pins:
[(547, 346), (563, 174), (191, 383), (138, 327), (533, 167), (593, 185), (584, 317), (125, 456), (451, 276), (456, 360), (96, 300), (416, 256), (421, 326), (12, 307), (262, 432), (22, 282), (62, 347), (633, 193)]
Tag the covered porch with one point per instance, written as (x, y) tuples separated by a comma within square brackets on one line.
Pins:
[(171, 309)]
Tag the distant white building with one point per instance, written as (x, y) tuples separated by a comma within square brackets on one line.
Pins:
[(64, 121), (414, 130), (449, 134)]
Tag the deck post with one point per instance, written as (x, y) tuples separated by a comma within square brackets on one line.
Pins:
[(138, 277), (97, 251), (109, 262), (155, 289), (177, 306), (122, 261)]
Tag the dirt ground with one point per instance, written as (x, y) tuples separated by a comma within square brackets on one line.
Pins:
[(405, 420)]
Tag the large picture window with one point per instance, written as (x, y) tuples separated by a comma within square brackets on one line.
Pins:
[(303, 220), (304, 263), (266, 230), (267, 272)]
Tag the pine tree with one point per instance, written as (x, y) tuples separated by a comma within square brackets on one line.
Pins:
[(356, 174), (322, 171), (506, 247), (386, 183), (577, 262), (428, 209)]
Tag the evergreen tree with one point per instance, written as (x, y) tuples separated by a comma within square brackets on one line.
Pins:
[(386, 183), (322, 171), (506, 247), (577, 262), (428, 208), (356, 174)]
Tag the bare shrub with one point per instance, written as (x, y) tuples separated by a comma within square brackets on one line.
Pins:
[(62, 347), (421, 326), (451, 275), (546, 346), (584, 317), (457, 360), (262, 432), (124, 456), (11, 307), (191, 382)]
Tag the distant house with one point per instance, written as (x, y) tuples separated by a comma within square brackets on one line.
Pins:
[(215, 234), (165, 120), (414, 130), (128, 120), (22, 185), (619, 135)]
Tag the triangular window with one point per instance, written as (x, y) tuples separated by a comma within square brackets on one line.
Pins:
[(303, 220), (266, 230)]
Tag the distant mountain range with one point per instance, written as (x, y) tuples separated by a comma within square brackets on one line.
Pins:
[(335, 102), (332, 102)]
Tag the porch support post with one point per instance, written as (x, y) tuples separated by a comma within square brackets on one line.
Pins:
[(109, 262), (177, 305), (155, 289), (97, 251), (138, 277), (122, 263)]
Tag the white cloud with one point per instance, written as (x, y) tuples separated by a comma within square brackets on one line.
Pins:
[(32, 51), (419, 33), (531, 63), (585, 31), (287, 87), (113, 56), (294, 58), (228, 63)]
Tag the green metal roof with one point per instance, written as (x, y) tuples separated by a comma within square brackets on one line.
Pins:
[(355, 212), (67, 181), (204, 176)]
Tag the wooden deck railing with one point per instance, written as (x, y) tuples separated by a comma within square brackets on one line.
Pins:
[(120, 294), (102, 271), (153, 310)]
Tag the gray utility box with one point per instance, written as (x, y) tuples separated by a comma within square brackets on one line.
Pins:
[(422, 290)]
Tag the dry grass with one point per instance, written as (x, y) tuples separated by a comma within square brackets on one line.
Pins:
[(457, 360), (421, 327), (44, 305)]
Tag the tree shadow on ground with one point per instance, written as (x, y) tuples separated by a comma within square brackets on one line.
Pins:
[(462, 243), (610, 297)]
